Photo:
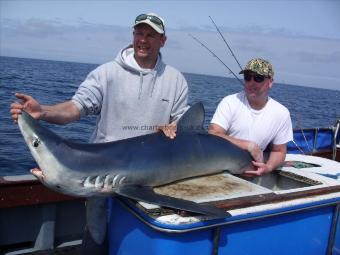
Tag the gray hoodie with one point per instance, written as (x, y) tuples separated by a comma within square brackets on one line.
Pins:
[(131, 101)]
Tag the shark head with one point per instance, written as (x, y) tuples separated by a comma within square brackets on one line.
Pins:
[(53, 155), (42, 144)]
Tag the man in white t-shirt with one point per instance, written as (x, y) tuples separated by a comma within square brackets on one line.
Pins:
[(253, 121)]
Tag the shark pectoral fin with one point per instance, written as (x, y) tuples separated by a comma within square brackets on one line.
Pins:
[(146, 194)]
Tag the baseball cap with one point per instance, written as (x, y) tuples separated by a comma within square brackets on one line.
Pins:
[(259, 66), (153, 20)]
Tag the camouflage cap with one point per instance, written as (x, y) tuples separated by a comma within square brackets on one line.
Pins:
[(260, 66)]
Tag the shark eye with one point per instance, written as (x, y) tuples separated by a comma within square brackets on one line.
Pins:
[(36, 142)]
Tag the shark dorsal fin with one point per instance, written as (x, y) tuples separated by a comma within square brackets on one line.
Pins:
[(192, 120)]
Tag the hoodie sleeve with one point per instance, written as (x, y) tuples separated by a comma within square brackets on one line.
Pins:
[(181, 101), (89, 96)]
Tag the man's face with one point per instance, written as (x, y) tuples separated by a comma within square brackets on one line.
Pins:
[(257, 86), (147, 43)]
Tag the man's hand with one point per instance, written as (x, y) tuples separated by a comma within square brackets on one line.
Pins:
[(28, 104), (260, 168), (38, 174), (255, 151), (276, 158), (169, 130)]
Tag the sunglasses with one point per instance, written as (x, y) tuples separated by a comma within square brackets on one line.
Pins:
[(152, 18), (257, 77)]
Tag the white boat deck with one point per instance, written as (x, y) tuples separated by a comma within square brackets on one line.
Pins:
[(284, 183)]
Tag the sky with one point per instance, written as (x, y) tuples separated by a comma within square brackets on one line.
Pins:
[(300, 38)]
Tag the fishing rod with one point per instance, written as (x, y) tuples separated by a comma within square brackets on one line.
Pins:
[(304, 137), (225, 41), (203, 45)]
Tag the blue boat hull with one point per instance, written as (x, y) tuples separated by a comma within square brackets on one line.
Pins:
[(295, 230)]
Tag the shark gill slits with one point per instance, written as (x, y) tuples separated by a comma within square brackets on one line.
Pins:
[(114, 180), (89, 181), (108, 182), (103, 181), (99, 181), (121, 180)]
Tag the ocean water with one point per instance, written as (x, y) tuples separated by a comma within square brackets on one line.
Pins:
[(53, 82)]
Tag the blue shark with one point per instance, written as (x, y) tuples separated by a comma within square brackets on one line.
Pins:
[(133, 167)]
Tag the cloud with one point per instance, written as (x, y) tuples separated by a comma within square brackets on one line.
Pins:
[(312, 57), (296, 59), (301, 60), (33, 28), (52, 39)]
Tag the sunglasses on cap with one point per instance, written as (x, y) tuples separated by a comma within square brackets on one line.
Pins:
[(257, 77), (152, 18)]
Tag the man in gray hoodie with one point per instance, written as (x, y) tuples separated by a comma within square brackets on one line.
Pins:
[(135, 94), (130, 95)]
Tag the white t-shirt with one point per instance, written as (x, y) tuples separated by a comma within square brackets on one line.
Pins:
[(271, 124)]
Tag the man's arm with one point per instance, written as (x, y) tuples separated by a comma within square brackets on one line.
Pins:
[(276, 158), (249, 146), (62, 113)]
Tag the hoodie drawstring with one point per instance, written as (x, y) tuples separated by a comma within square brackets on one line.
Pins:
[(140, 84), (153, 81)]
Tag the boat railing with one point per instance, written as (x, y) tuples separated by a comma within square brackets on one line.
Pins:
[(314, 141), (336, 139)]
